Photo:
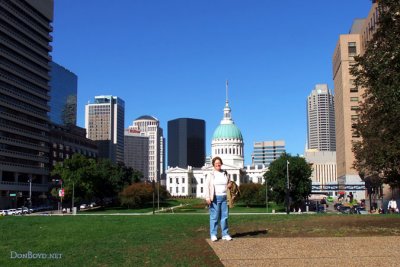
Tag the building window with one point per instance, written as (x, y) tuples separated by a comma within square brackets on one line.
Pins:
[(170, 189), (170, 180), (354, 99), (201, 189), (177, 190), (354, 117), (183, 190), (177, 181), (352, 48), (201, 180), (354, 90), (183, 180), (355, 107)]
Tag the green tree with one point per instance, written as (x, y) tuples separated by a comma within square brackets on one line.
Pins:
[(299, 179), (377, 153), (138, 195), (252, 194), (75, 172), (93, 180)]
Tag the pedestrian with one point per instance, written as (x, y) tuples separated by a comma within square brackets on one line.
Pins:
[(392, 206), (217, 184), (350, 196), (323, 204)]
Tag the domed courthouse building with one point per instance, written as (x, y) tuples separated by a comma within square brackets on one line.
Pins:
[(227, 143)]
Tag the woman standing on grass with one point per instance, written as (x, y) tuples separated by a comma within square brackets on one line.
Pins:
[(217, 184)]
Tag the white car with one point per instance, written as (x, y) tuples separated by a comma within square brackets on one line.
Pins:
[(12, 212), (83, 206), (3, 212)]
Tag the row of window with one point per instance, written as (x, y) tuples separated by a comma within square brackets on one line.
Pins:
[(183, 180), (183, 190)]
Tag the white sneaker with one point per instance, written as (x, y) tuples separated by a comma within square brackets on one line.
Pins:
[(214, 238), (227, 238)]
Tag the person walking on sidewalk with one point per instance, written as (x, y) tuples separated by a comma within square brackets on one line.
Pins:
[(217, 184)]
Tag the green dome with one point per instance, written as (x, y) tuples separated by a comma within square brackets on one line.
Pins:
[(227, 131)]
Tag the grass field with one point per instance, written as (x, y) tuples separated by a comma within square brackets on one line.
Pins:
[(161, 240), (188, 205)]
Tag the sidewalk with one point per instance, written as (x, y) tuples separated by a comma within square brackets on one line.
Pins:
[(325, 251)]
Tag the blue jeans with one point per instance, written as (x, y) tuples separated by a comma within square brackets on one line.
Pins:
[(219, 212)]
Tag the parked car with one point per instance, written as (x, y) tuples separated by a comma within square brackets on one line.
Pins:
[(83, 206), (93, 204), (12, 212), (3, 212)]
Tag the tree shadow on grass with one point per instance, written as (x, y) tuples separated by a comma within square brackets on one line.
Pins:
[(251, 233)]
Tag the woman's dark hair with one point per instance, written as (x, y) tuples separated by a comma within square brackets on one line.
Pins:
[(215, 159)]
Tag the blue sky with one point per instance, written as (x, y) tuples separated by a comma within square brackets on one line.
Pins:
[(171, 58)]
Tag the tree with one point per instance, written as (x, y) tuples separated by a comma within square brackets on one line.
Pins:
[(377, 153), (252, 194), (93, 179), (299, 179), (75, 172), (139, 194)]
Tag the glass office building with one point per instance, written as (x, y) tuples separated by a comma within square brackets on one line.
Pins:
[(186, 143), (63, 95)]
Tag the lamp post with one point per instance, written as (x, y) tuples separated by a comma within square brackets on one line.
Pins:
[(30, 191), (158, 192), (266, 193), (73, 196), (154, 189), (287, 188)]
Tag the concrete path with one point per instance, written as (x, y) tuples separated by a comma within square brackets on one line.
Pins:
[(329, 251)]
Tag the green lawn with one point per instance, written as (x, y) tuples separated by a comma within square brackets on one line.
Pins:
[(162, 240), (187, 205)]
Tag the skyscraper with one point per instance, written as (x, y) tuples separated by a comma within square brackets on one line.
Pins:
[(266, 152), (347, 95), (24, 97), (104, 122), (63, 95), (150, 126), (136, 151), (186, 142), (321, 119)]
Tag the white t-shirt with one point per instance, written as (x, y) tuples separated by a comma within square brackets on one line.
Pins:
[(220, 183)]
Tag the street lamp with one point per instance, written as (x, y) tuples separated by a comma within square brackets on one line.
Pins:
[(266, 193), (73, 196), (287, 187), (30, 191)]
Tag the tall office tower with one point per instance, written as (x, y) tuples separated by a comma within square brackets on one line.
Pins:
[(24, 95), (186, 143), (104, 122), (150, 126), (267, 151), (136, 151), (347, 95), (63, 95), (321, 119)]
